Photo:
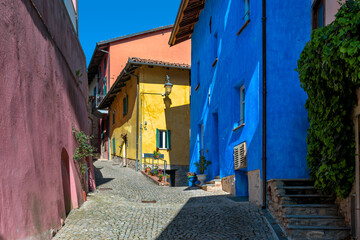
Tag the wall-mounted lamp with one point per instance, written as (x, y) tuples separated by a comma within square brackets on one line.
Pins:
[(168, 86)]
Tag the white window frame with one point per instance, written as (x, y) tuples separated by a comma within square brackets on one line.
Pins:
[(163, 136), (242, 105)]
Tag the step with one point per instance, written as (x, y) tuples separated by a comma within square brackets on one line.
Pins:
[(318, 232), (310, 209), (214, 181), (293, 182), (314, 220), (293, 190), (211, 187), (306, 198)]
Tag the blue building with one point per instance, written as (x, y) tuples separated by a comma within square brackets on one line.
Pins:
[(229, 52)]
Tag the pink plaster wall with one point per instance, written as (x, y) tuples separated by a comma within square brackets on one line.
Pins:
[(331, 8), (41, 100)]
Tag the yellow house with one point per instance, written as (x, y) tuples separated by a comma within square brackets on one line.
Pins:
[(162, 121)]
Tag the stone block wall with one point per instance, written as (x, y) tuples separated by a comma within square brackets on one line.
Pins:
[(255, 187), (228, 184)]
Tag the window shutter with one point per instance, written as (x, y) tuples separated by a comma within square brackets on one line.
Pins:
[(168, 139), (127, 104), (157, 138), (114, 150)]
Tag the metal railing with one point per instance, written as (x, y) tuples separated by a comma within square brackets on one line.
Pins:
[(153, 159)]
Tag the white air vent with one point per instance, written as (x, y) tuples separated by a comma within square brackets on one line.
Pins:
[(240, 156)]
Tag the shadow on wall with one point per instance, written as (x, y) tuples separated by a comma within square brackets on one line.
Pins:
[(99, 179), (65, 173), (211, 217), (178, 122)]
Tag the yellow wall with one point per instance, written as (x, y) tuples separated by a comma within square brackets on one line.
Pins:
[(165, 113), (124, 125)]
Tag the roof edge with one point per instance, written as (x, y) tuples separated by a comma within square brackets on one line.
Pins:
[(175, 29)]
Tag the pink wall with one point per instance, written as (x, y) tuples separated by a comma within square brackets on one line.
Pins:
[(331, 8), (152, 46), (41, 101)]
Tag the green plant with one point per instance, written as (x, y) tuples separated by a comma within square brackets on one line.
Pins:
[(156, 154), (329, 73), (83, 150), (202, 164), (190, 174)]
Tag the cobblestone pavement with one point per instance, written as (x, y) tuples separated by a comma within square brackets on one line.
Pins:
[(179, 212)]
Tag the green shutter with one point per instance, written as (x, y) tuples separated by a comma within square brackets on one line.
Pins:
[(168, 139), (157, 138), (114, 150), (127, 103)]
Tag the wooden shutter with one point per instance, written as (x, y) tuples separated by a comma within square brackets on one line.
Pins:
[(168, 139), (157, 138)]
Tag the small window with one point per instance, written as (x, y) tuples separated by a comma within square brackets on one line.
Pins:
[(242, 105), (94, 91), (99, 74), (247, 10), (113, 117), (318, 14), (125, 105), (105, 63), (105, 86), (163, 139)]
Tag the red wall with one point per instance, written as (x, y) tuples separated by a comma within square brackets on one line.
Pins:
[(41, 100)]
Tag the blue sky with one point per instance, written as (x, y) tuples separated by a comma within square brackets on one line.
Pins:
[(102, 20)]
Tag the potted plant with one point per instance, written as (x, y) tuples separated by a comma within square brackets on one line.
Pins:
[(147, 169), (156, 154), (191, 176), (161, 176), (154, 172), (202, 166)]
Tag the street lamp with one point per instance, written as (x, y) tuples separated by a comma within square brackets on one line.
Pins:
[(168, 86)]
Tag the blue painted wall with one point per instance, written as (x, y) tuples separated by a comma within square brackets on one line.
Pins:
[(216, 102)]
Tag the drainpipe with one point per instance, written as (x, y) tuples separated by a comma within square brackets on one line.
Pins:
[(137, 118), (357, 180), (264, 101)]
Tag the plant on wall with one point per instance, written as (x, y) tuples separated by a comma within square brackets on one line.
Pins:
[(329, 73), (83, 150)]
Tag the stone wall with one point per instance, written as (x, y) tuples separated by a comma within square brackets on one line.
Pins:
[(345, 206), (228, 184), (255, 187)]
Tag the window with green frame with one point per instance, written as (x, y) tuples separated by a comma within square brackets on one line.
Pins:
[(163, 139)]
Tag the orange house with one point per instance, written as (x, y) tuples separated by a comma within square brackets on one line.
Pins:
[(111, 56)]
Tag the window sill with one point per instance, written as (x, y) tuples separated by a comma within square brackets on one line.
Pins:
[(242, 125), (243, 27)]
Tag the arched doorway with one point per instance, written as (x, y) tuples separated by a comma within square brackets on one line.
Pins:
[(65, 172)]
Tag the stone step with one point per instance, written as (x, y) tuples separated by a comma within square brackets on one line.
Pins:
[(291, 190), (318, 232), (214, 181), (310, 209), (306, 198), (211, 187), (314, 220), (293, 182)]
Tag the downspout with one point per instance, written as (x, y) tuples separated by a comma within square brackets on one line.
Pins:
[(137, 118), (264, 102)]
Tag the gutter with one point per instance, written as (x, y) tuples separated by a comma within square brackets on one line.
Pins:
[(264, 103)]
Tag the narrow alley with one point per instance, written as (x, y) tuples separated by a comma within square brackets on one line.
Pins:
[(116, 211)]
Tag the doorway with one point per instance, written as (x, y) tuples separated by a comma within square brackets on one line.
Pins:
[(65, 172)]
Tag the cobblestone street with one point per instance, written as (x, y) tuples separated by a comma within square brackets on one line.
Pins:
[(116, 211)]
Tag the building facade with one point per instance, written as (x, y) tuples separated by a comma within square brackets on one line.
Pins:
[(245, 93), (109, 59), (143, 118), (44, 99)]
